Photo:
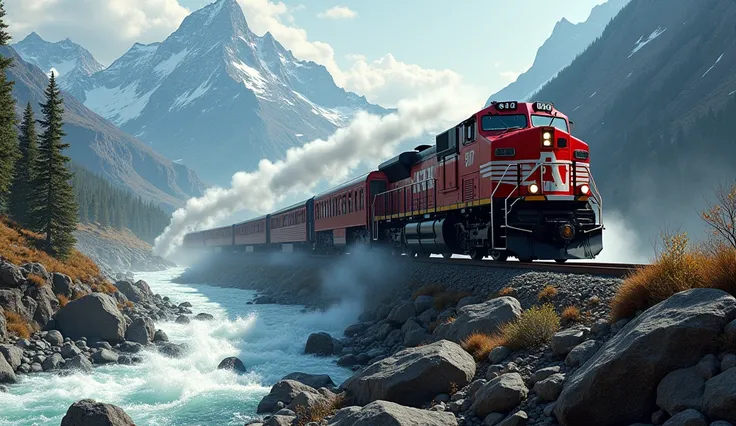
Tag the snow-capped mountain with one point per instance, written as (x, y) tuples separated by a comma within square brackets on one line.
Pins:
[(73, 64), (217, 97), (567, 41)]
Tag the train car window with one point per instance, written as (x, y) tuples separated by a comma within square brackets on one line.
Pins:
[(344, 203), (503, 122), (350, 202), (544, 120)]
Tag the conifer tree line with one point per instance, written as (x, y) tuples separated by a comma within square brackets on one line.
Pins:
[(101, 202)]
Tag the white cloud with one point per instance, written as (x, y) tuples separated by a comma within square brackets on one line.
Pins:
[(105, 27), (509, 76), (338, 12)]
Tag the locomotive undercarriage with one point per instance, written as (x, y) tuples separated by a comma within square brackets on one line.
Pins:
[(558, 230)]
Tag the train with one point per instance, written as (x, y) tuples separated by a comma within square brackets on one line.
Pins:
[(509, 181)]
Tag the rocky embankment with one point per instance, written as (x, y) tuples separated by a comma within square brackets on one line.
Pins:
[(50, 323), (118, 251)]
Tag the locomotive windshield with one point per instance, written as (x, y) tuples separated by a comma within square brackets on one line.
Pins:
[(503, 122), (544, 120)]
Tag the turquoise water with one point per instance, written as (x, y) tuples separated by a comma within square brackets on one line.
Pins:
[(191, 391)]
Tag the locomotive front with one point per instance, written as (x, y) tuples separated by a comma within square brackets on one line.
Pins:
[(545, 202)]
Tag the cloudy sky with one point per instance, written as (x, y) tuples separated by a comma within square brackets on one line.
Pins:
[(384, 49)]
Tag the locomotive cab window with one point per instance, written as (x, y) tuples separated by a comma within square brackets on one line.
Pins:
[(545, 120), (492, 123)]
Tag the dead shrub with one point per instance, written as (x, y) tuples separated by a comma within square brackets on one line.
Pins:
[(547, 293), (63, 300), (506, 291), (319, 411), (479, 345), (18, 325), (37, 280), (571, 314)]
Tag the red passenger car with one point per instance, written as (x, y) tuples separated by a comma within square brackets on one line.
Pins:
[(292, 226), (251, 234)]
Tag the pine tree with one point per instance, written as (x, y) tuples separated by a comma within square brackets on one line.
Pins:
[(55, 211), (24, 175), (8, 135)]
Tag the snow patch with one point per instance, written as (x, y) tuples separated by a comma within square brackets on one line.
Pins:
[(732, 93), (186, 98), (334, 116), (118, 104), (713, 66), (215, 9), (630, 74), (64, 67), (594, 93), (167, 66), (298, 135), (252, 79), (642, 42), (576, 108)]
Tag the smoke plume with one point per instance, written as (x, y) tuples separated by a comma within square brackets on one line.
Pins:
[(368, 138)]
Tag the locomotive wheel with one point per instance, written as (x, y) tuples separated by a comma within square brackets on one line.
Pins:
[(447, 255), (477, 254), (560, 260), (499, 256)]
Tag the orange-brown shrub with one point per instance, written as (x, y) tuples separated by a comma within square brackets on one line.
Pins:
[(571, 314), (506, 291), (18, 325), (37, 280), (547, 293), (63, 300), (129, 304), (479, 345), (319, 411)]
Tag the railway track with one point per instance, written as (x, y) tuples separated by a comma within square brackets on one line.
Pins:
[(618, 270)]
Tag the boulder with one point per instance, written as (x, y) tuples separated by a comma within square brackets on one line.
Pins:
[(95, 316), (314, 380), (519, 418), (719, 398), (61, 284), (502, 394), (622, 377), (79, 362), (10, 275), (680, 390), (37, 269), (401, 313), (308, 400), (133, 293), (283, 391), (582, 352), (549, 389), (54, 338), (413, 376), (182, 319), (140, 331), (3, 325), (144, 288), (387, 413), (105, 356), (89, 412), (232, 363), (160, 336), (204, 317), (689, 417), (13, 354), (172, 350), (482, 318), (53, 362), (7, 375), (321, 344), (423, 303), (564, 341), (11, 299), (46, 302), (355, 329)]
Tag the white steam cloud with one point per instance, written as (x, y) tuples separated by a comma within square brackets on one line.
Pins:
[(621, 243), (368, 138)]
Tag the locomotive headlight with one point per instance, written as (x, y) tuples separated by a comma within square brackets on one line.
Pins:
[(547, 136), (585, 189), (533, 188), (547, 142), (567, 231)]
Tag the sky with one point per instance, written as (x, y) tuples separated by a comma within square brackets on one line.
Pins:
[(386, 50)]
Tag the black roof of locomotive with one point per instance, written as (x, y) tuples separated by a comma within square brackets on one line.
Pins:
[(399, 167)]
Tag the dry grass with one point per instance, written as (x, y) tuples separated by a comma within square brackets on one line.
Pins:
[(479, 345), (547, 293), (129, 304), (535, 327), (18, 325), (677, 268), (63, 300), (124, 237), (571, 314), (19, 246), (319, 411), (37, 280), (506, 291)]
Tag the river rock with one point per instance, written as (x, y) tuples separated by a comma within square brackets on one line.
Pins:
[(423, 303), (232, 363), (401, 313), (314, 380), (61, 284), (564, 341), (131, 292), (481, 318), (321, 344), (172, 350), (680, 390), (140, 331), (689, 417), (719, 398), (387, 413), (582, 352), (204, 317), (549, 389), (13, 354), (95, 316), (673, 334), (283, 391), (54, 338), (89, 412), (182, 319), (7, 375), (79, 362), (105, 356), (501, 394), (160, 336), (426, 371)]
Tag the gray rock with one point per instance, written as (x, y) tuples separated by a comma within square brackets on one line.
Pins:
[(279, 421), (550, 388), (423, 303), (283, 391), (416, 337), (89, 412), (728, 362), (182, 319), (673, 334), (70, 350), (719, 398), (7, 375), (36, 368), (79, 362), (131, 292), (172, 350), (54, 338), (313, 380), (426, 370), (401, 313), (564, 341), (355, 329), (387, 413), (501, 394), (46, 303), (582, 352), (499, 354), (61, 284), (204, 317), (130, 347), (493, 419), (140, 331), (10, 275), (680, 390), (468, 300), (53, 362), (709, 366), (482, 318), (519, 418), (105, 356), (543, 373), (232, 363), (160, 336), (720, 423), (320, 344), (95, 316), (600, 327), (38, 269), (688, 417), (13, 354)]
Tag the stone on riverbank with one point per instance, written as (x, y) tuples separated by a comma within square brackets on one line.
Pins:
[(387, 413), (89, 412), (94, 316), (233, 364), (481, 318)]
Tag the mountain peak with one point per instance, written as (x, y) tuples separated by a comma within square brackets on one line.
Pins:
[(33, 37)]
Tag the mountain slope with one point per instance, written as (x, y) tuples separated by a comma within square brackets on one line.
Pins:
[(655, 98), (218, 97), (102, 148), (559, 50)]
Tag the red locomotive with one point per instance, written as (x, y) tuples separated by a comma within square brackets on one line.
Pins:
[(509, 181)]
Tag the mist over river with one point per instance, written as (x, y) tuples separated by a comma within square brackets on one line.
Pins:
[(269, 339)]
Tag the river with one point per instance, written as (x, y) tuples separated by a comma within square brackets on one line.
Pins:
[(269, 339)]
